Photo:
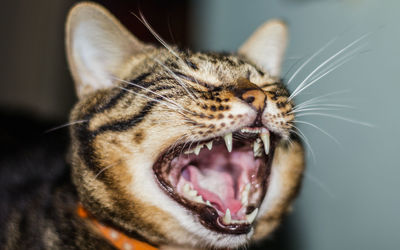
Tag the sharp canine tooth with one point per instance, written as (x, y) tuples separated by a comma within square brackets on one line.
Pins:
[(256, 147), (208, 203), (198, 148), (228, 141), (250, 217), (265, 138), (227, 217), (209, 145)]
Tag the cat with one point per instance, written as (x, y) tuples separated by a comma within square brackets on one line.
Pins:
[(170, 149)]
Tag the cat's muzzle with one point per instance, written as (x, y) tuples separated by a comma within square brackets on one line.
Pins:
[(222, 181)]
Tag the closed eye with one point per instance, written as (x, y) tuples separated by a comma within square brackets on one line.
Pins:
[(196, 81)]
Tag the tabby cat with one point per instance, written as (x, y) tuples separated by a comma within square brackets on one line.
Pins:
[(174, 149)]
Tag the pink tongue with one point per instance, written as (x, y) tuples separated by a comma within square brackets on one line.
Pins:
[(216, 187)]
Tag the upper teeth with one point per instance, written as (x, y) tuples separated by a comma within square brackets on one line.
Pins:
[(265, 138), (198, 148), (245, 194), (251, 130), (257, 147), (263, 133), (228, 141)]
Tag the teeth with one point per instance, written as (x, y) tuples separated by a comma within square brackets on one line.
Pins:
[(199, 199), (192, 193), (239, 221), (227, 217), (198, 148), (209, 145), (251, 130), (256, 147), (186, 188), (228, 141), (244, 200), (247, 187), (250, 217), (265, 138), (188, 151), (245, 195)]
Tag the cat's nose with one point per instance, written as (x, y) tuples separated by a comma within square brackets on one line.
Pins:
[(251, 94)]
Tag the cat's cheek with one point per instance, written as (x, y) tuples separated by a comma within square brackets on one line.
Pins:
[(286, 172)]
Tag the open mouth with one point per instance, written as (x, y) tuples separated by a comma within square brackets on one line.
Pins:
[(222, 181)]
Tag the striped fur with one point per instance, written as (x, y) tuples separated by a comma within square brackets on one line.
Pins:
[(137, 101)]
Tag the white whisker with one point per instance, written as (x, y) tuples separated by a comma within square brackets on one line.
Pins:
[(177, 79), (65, 125), (324, 74), (154, 33), (177, 109), (294, 93), (320, 129), (315, 104), (310, 58), (338, 117), (319, 183), (291, 67), (352, 54), (104, 169), (137, 85), (318, 98), (299, 111), (305, 139)]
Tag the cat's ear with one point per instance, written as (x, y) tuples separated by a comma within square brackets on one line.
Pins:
[(97, 47), (266, 46)]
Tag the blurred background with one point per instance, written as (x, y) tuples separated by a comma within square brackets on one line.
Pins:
[(350, 195)]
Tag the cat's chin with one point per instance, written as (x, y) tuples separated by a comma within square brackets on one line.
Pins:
[(222, 181)]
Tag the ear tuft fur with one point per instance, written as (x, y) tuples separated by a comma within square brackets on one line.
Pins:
[(97, 47)]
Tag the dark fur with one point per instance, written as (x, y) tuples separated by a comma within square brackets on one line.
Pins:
[(36, 193), (38, 201)]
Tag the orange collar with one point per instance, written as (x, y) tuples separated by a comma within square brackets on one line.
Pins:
[(116, 238)]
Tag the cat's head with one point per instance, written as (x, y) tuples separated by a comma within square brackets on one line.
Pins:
[(177, 147)]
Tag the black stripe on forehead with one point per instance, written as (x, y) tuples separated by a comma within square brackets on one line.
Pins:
[(137, 85), (85, 137), (120, 126), (114, 100)]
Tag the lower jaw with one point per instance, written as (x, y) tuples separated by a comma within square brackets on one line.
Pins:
[(209, 216)]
